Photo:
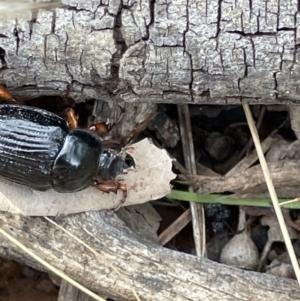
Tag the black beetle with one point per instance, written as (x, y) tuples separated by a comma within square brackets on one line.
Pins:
[(39, 150)]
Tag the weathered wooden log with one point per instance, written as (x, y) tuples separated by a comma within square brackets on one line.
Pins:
[(251, 183), (216, 52), (284, 167), (193, 52), (156, 273)]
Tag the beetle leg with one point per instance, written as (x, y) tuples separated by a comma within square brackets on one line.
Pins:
[(113, 186), (100, 128), (6, 96), (72, 118)]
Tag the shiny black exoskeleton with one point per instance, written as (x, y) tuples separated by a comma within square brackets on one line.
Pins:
[(37, 149)]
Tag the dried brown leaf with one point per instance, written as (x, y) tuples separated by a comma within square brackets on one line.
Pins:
[(149, 180)]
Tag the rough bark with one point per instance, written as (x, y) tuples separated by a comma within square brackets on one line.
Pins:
[(155, 273), (251, 183), (245, 181), (156, 51), (211, 52)]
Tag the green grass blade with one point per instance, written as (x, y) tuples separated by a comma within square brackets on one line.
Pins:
[(225, 200)]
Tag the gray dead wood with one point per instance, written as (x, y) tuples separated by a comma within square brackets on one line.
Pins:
[(251, 183), (283, 162), (68, 292), (155, 272), (214, 52), (149, 51)]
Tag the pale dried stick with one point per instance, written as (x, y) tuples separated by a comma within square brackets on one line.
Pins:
[(175, 227), (272, 191), (289, 201), (197, 210)]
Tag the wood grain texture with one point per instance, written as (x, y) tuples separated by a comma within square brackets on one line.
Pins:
[(283, 163), (149, 51), (156, 273), (156, 51), (251, 183)]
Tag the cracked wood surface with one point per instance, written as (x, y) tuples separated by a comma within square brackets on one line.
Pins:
[(149, 51), (177, 51), (155, 273)]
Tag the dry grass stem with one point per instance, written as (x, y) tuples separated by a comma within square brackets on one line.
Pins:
[(289, 201), (272, 191), (50, 267), (197, 210)]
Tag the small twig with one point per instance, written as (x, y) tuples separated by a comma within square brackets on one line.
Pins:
[(175, 227), (249, 144), (198, 218), (247, 161), (272, 191), (289, 201)]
